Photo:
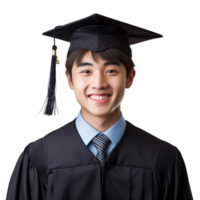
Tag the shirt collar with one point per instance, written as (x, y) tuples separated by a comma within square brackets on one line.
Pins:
[(87, 132)]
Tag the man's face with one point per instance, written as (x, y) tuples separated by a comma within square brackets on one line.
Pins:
[(91, 79)]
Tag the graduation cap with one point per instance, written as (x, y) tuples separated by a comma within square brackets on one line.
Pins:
[(95, 33)]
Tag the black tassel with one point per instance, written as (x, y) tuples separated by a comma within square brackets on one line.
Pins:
[(49, 107)]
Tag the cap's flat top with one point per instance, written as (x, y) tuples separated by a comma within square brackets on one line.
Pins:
[(135, 34)]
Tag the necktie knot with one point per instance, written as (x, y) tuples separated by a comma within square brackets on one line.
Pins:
[(101, 143)]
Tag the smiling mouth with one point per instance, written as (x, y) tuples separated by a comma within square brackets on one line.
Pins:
[(108, 95), (103, 95)]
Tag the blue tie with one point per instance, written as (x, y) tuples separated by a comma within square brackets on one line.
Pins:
[(101, 142)]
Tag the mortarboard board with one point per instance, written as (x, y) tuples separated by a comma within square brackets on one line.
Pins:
[(98, 33)]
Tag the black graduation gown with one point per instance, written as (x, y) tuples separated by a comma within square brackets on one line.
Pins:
[(60, 167)]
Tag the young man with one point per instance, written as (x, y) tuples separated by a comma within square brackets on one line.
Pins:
[(100, 155)]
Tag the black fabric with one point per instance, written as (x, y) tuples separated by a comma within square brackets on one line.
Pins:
[(98, 33), (135, 169), (99, 38)]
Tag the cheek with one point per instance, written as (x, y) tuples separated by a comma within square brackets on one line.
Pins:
[(80, 88), (119, 87)]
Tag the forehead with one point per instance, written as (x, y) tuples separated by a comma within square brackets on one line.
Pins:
[(92, 59), (88, 57)]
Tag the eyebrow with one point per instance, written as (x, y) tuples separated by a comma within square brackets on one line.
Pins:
[(105, 64)]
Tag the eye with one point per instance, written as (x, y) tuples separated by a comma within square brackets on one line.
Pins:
[(85, 71), (112, 70), (88, 71)]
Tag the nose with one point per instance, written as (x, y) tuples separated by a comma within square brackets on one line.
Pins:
[(99, 81)]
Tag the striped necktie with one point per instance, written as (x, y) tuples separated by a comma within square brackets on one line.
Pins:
[(101, 142)]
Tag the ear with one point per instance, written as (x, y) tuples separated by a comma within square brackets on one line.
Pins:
[(69, 80), (129, 80)]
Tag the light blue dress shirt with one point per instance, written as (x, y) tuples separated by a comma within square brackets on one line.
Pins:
[(87, 132)]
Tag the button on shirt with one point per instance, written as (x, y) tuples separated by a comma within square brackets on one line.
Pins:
[(87, 133)]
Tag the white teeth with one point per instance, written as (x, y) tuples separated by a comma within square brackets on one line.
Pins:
[(98, 97)]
